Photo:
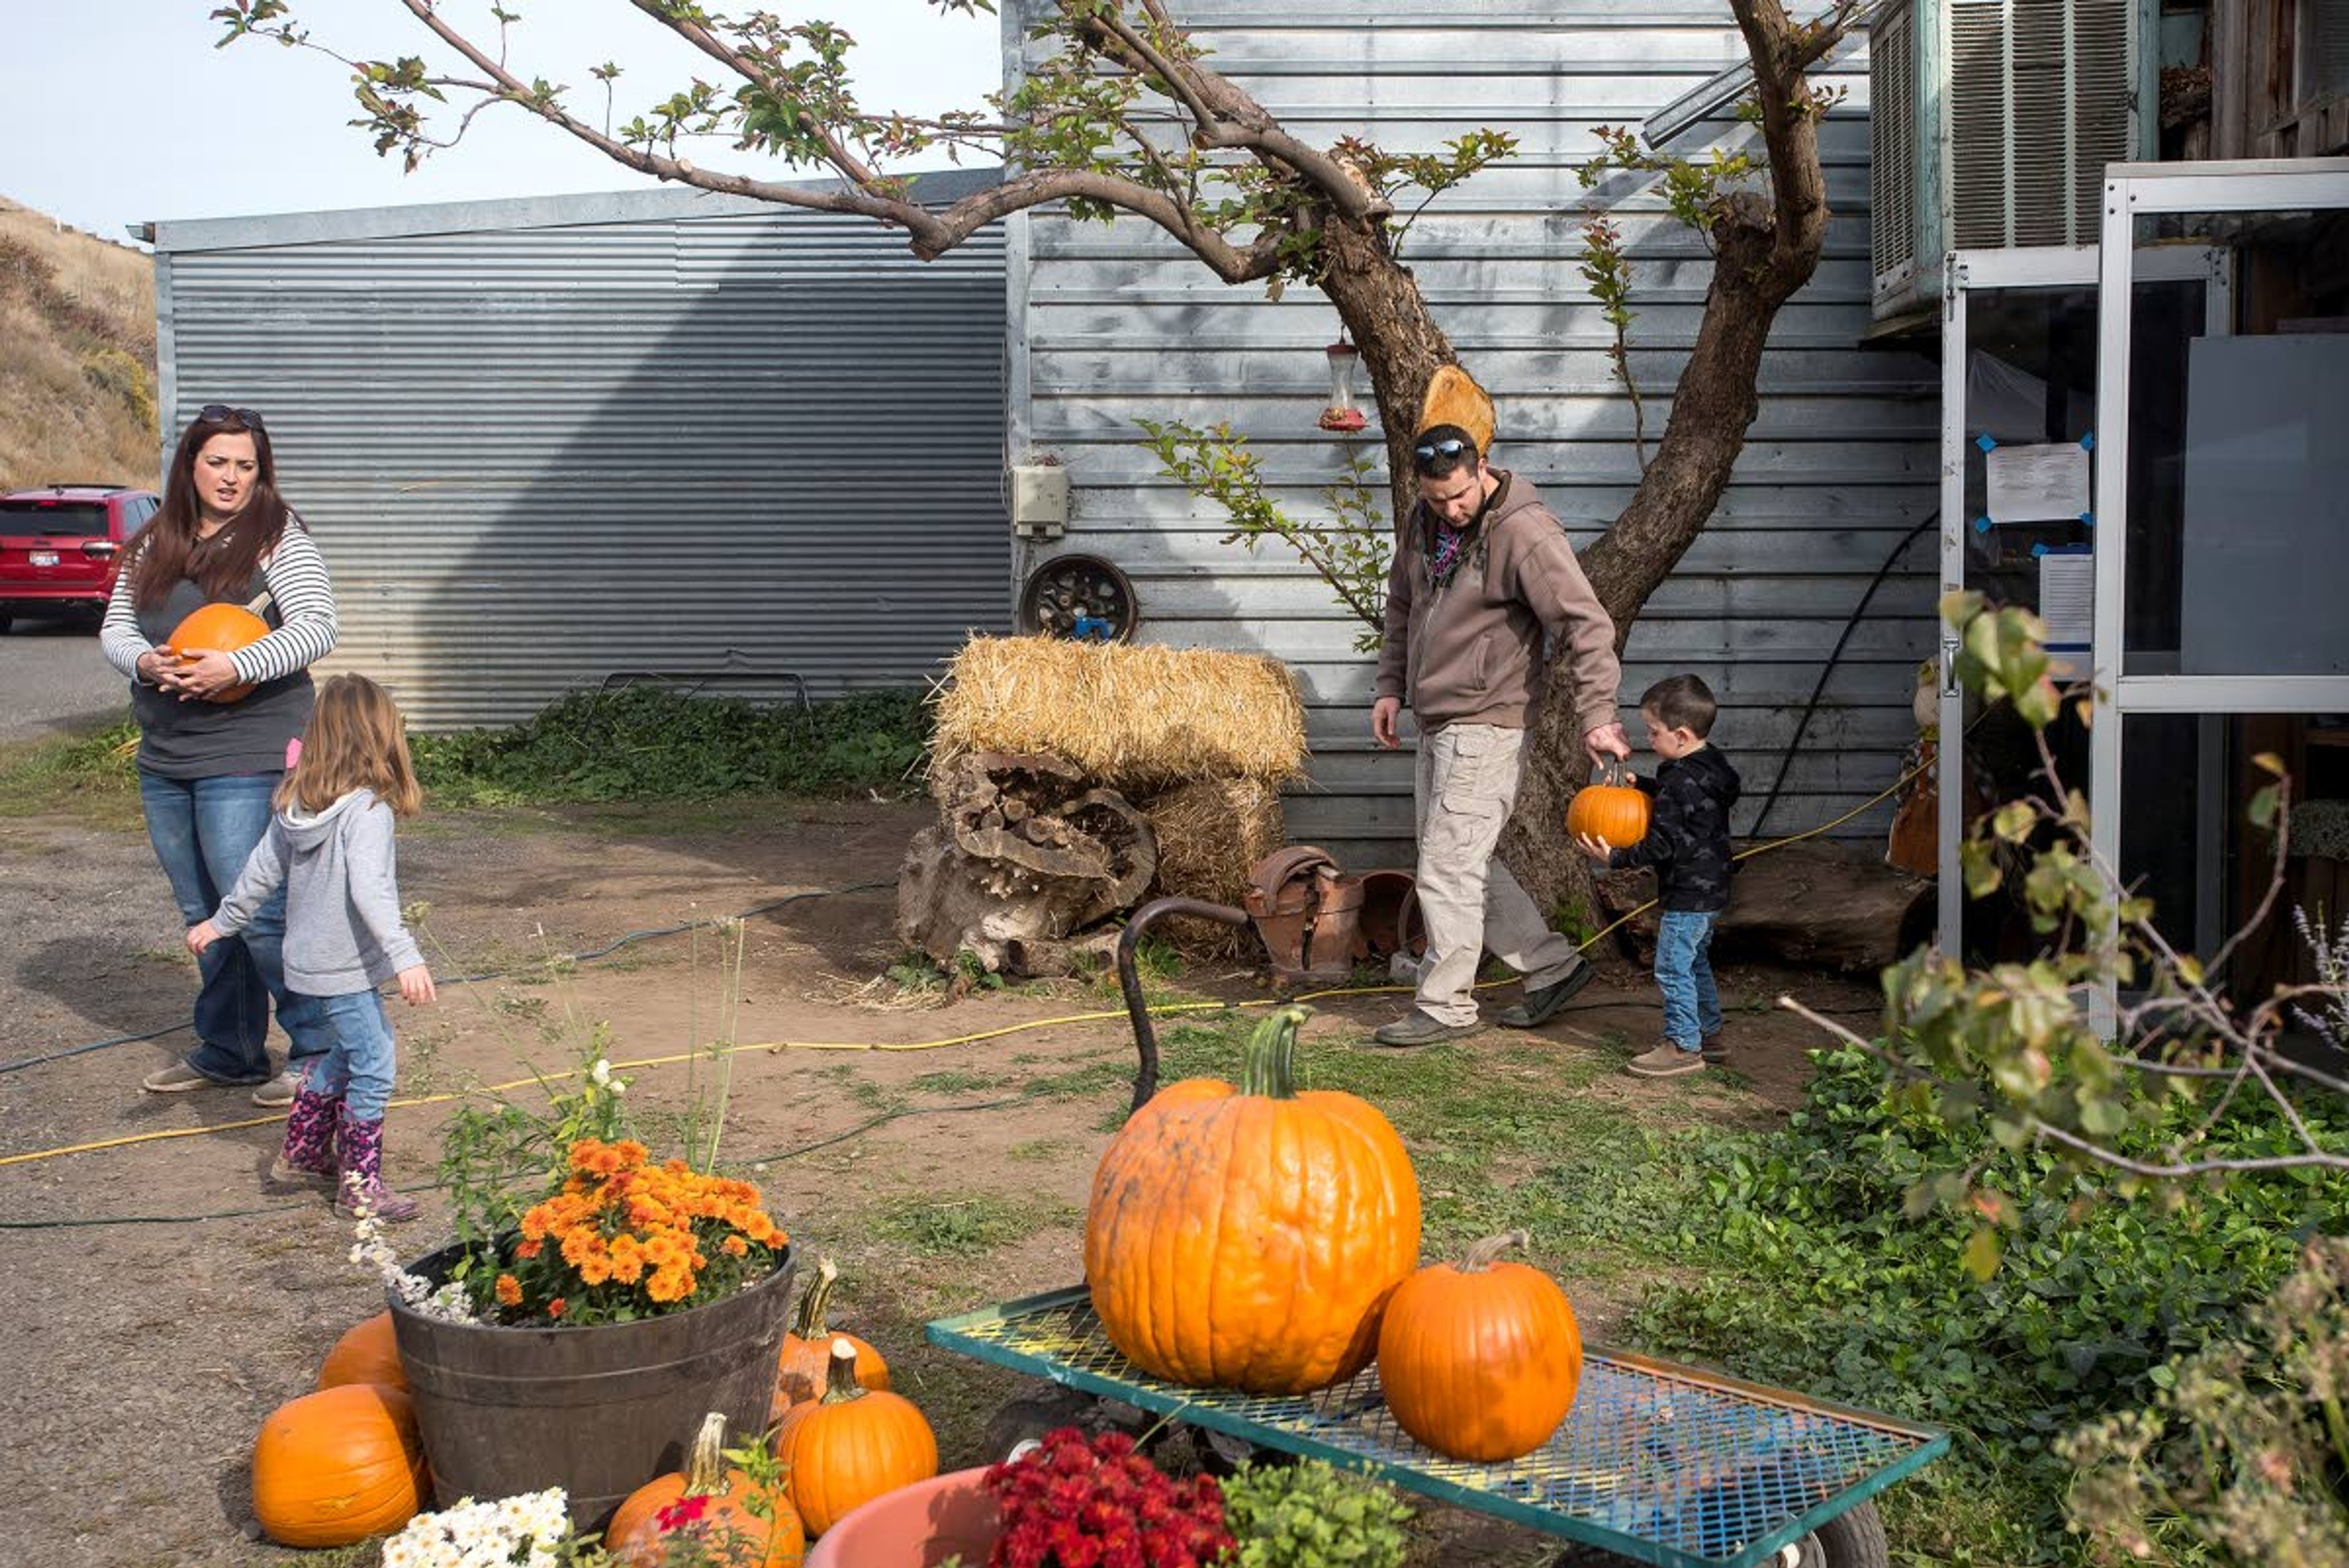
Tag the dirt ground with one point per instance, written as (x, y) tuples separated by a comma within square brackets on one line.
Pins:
[(140, 1358)]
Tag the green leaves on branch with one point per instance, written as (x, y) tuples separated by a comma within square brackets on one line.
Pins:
[(1695, 189), (1311, 1514), (2002, 653), (1350, 551)]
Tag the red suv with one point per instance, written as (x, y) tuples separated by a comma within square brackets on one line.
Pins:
[(60, 544)]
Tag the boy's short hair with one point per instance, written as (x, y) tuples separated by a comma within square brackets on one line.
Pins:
[(1682, 702)]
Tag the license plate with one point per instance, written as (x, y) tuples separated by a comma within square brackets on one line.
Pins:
[(45, 557)]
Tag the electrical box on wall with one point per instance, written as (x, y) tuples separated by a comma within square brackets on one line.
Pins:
[(1039, 501)]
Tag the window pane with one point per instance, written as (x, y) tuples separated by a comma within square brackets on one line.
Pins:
[(2238, 454)]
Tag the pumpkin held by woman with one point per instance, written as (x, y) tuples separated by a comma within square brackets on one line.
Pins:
[(217, 628), (1249, 1237)]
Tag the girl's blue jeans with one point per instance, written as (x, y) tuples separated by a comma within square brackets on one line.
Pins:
[(202, 830), (358, 1065), (1684, 974)]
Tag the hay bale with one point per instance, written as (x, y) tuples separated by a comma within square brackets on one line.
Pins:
[(1211, 832), (1129, 717)]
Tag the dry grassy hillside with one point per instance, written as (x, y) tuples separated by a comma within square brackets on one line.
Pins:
[(77, 355)]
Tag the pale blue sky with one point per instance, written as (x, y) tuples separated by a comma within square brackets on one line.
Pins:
[(121, 111)]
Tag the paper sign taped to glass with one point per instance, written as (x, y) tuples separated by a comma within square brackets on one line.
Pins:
[(2044, 484)]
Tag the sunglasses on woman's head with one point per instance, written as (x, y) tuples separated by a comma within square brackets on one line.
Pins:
[(221, 414)]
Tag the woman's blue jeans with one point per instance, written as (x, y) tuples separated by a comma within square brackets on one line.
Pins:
[(202, 830), (1684, 974)]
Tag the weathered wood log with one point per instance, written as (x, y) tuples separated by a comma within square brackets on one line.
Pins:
[(1025, 858), (1812, 905)]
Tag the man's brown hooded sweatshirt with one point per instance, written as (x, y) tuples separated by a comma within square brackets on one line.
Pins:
[(1468, 650)]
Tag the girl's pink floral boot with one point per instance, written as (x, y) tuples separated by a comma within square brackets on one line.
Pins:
[(308, 1157), (363, 1186)]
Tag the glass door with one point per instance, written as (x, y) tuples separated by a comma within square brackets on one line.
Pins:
[(2018, 424), (2019, 514)]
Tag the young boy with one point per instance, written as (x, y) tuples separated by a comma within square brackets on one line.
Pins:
[(1688, 844)]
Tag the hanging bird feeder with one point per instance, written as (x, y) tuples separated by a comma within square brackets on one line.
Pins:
[(1343, 414)]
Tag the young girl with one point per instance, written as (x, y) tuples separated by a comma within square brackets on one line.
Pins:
[(330, 846)]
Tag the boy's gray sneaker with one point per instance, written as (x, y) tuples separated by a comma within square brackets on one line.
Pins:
[(1542, 1001), (1666, 1061), (1416, 1028)]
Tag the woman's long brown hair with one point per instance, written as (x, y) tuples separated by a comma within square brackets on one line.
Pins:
[(166, 550), (357, 739)]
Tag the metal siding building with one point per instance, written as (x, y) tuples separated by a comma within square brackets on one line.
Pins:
[(546, 441), (1111, 323)]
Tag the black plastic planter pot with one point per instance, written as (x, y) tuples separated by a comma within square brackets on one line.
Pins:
[(597, 1411)]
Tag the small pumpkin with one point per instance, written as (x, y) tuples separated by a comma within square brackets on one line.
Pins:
[(727, 1519), (367, 1353), (1483, 1361), (852, 1445), (338, 1466), (1613, 812), (801, 1368), (217, 628), (1249, 1238)]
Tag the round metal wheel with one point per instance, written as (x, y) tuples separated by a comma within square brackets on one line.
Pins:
[(1079, 596), (1854, 1538), (1028, 1420)]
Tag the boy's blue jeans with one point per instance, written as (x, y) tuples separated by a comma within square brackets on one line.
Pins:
[(202, 831), (1684, 974), (358, 1066)]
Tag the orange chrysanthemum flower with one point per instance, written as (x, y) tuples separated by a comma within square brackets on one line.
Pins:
[(509, 1290)]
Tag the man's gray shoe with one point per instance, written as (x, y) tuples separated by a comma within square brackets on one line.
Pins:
[(279, 1092), (179, 1078), (1542, 1001), (1715, 1052), (1416, 1028)]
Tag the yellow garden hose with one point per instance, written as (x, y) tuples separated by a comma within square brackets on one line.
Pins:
[(1163, 1010)]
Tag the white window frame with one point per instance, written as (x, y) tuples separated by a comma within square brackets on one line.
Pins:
[(2134, 190)]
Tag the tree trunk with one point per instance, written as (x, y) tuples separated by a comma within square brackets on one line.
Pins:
[(1379, 300)]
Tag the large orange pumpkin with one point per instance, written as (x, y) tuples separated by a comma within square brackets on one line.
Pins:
[(338, 1466), (727, 1521), (217, 628), (801, 1369), (852, 1445), (1481, 1362), (1249, 1238), (1614, 812), (367, 1353)]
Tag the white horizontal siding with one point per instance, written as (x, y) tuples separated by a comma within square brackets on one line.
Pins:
[(1115, 323)]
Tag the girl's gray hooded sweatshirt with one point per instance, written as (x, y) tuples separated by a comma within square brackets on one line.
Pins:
[(343, 929)]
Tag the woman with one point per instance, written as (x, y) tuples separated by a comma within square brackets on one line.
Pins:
[(207, 767)]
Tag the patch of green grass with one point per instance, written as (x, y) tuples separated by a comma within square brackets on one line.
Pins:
[(965, 1227), (646, 742), (956, 1081), (88, 776), (1038, 1151)]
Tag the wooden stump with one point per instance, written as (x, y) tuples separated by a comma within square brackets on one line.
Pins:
[(1025, 857), (1812, 905)]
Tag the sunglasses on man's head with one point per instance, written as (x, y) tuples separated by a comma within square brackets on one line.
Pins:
[(1451, 446), (221, 414)]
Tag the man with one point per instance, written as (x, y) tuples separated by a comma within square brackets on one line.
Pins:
[(1482, 570)]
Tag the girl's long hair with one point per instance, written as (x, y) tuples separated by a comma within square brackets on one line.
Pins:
[(168, 549), (355, 740)]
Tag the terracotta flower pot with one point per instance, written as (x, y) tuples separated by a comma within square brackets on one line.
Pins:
[(919, 1526)]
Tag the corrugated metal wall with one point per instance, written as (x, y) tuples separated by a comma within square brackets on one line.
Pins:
[(1111, 324), (694, 435)]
